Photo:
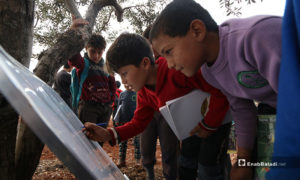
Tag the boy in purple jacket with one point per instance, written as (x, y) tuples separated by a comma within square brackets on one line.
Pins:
[(241, 57)]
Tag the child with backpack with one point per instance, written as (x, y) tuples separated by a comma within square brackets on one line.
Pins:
[(93, 90), (127, 105)]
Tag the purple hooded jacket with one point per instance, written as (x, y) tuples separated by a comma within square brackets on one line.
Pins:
[(247, 69)]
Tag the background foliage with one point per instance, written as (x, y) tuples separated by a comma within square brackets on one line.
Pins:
[(52, 17)]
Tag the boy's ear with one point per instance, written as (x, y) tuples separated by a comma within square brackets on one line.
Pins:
[(146, 62), (198, 29)]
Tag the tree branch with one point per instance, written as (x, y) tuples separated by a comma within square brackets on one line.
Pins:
[(67, 45), (72, 41), (72, 8), (104, 24), (97, 5), (37, 20), (129, 7)]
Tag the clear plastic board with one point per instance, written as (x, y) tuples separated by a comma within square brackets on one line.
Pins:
[(49, 117)]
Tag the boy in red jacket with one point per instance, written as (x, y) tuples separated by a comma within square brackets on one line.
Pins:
[(132, 58)]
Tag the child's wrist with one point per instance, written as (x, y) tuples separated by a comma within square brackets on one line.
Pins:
[(113, 136), (108, 135), (206, 127)]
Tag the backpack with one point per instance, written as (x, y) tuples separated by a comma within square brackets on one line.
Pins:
[(76, 84)]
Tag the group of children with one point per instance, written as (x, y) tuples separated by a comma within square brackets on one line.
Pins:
[(236, 62), (241, 57)]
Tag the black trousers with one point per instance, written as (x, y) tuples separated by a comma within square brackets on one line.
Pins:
[(210, 153), (94, 112)]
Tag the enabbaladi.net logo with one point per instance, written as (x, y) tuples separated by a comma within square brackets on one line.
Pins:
[(283, 162)]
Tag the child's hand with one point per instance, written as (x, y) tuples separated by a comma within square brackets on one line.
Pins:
[(96, 133), (199, 131), (77, 22)]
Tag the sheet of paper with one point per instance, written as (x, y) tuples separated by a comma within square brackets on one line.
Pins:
[(168, 117), (49, 117), (186, 112), (117, 115)]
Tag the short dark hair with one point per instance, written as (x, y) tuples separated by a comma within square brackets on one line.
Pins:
[(66, 66), (128, 49), (177, 16), (118, 84), (97, 41)]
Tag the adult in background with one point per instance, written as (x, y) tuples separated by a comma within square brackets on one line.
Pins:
[(62, 83)]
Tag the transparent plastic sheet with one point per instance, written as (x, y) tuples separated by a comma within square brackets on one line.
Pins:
[(45, 112)]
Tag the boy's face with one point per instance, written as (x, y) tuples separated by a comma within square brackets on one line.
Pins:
[(182, 53), (95, 54), (134, 77), (186, 53)]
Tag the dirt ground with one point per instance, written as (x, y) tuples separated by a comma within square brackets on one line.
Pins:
[(50, 167)]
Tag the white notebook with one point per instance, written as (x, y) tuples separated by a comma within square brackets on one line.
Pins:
[(184, 113)]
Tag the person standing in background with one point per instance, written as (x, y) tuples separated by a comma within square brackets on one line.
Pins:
[(62, 83)]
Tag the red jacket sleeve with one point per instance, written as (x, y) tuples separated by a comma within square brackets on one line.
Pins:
[(142, 116), (217, 102), (77, 61)]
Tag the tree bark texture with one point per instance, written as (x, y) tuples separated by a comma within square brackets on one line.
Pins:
[(8, 130), (28, 152), (16, 19)]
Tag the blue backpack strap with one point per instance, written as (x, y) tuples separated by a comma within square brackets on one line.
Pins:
[(74, 87), (76, 83), (83, 76)]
